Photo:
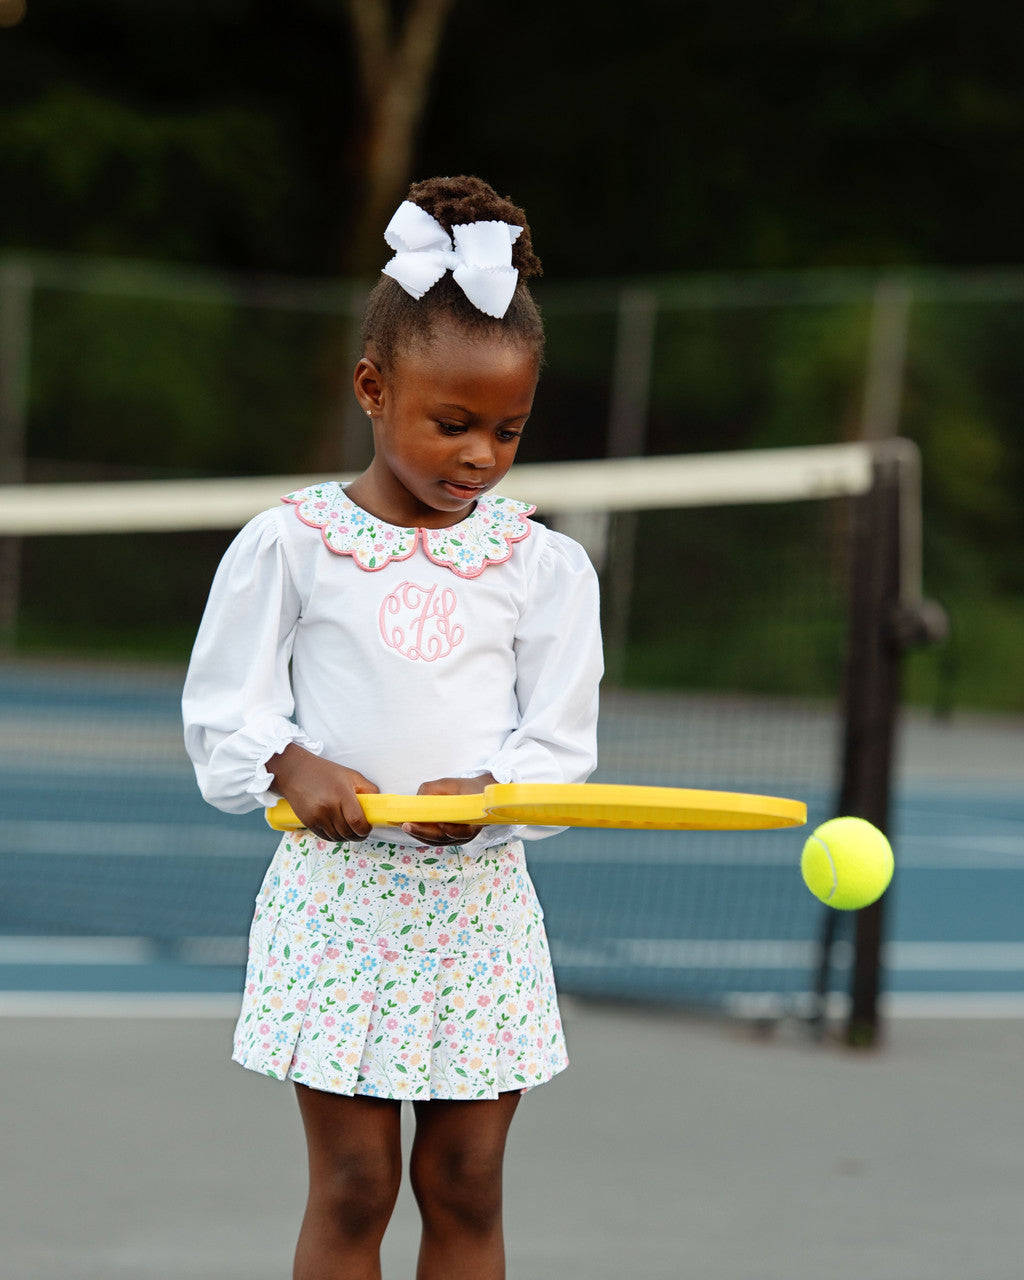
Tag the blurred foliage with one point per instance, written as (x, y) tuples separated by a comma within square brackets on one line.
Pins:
[(137, 594), (176, 180), (692, 139), (740, 598), (757, 377), (158, 386), (965, 386), (210, 134), (677, 137), (135, 386)]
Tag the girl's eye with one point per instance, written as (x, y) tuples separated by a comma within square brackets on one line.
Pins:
[(452, 428), (508, 436)]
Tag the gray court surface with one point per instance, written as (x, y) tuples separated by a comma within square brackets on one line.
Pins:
[(673, 1147)]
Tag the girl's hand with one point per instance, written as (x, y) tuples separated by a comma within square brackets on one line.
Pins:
[(322, 793), (445, 833)]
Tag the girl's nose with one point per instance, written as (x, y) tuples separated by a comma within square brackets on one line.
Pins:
[(477, 451)]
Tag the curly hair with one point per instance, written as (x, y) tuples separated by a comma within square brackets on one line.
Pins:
[(395, 321)]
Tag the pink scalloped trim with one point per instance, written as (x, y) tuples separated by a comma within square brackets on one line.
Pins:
[(512, 527), (296, 500), (511, 537)]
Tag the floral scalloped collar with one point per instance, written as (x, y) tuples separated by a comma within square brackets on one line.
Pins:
[(484, 538)]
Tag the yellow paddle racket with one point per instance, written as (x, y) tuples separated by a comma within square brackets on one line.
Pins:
[(592, 804)]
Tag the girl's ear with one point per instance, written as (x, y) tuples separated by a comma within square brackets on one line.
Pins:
[(368, 385)]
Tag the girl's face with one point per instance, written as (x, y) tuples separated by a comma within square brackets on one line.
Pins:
[(446, 426)]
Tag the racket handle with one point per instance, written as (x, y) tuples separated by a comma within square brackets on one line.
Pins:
[(282, 817), (394, 810)]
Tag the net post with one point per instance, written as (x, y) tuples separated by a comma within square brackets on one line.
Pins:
[(16, 286), (871, 696), (627, 432), (887, 355)]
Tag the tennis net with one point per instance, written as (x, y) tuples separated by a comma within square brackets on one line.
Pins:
[(725, 585)]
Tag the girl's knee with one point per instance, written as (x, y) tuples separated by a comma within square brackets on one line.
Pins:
[(355, 1158), (358, 1189), (461, 1185)]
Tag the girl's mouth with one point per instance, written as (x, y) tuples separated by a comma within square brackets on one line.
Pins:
[(463, 490)]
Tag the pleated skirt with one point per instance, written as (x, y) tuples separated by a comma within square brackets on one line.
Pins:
[(400, 972)]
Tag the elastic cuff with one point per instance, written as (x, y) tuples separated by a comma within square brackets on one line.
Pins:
[(262, 781), (499, 769)]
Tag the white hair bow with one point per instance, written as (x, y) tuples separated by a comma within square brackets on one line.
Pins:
[(480, 260)]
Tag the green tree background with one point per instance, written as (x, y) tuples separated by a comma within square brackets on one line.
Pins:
[(678, 137), (659, 143)]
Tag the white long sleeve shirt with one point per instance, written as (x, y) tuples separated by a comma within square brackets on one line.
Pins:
[(407, 654)]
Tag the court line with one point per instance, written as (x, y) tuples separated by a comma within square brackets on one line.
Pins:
[(953, 1005), (40, 949), (939, 1005), (134, 839), (916, 852), (34, 950), (996, 852), (74, 1004), (964, 1005), (668, 953), (973, 957), (742, 953)]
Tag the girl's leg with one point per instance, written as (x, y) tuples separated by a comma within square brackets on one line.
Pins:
[(455, 1169), (355, 1167)]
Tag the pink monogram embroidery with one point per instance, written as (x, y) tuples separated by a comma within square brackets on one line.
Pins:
[(416, 622)]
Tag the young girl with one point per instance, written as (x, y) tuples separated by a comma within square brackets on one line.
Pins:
[(407, 632)]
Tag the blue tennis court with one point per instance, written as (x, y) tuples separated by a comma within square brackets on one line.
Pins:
[(117, 878)]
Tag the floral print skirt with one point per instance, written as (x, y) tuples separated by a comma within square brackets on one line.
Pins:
[(400, 972)]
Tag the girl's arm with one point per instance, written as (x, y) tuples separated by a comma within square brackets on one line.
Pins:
[(322, 793), (559, 664), (444, 833), (237, 702)]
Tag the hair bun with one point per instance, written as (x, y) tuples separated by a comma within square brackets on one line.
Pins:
[(454, 201)]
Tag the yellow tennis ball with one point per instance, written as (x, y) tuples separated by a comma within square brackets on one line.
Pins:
[(847, 863)]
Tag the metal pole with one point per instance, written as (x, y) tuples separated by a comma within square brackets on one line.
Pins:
[(16, 285), (627, 436), (887, 358), (355, 446), (871, 695)]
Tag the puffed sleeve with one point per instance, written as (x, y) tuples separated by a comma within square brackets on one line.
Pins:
[(559, 666), (237, 703)]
